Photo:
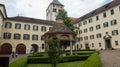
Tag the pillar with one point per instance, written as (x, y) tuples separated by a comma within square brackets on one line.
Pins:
[(71, 48)]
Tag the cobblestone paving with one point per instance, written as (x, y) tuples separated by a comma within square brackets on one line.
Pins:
[(110, 58)]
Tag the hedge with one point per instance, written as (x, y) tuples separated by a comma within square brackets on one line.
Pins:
[(35, 60), (73, 58), (92, 61), (36, 55), (19, 63)]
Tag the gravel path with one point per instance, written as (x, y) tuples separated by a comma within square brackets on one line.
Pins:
[(110, 58), (15, 58)]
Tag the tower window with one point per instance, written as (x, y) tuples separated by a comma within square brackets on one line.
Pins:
[(54, 10)]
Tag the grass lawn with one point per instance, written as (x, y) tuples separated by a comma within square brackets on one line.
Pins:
[(69, 64)]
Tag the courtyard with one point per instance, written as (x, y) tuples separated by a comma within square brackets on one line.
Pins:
[(109, 58)]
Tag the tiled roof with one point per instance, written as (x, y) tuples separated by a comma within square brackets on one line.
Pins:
[(73, 19), (99, 10), (56, 2), (30, 20), (60, 28)]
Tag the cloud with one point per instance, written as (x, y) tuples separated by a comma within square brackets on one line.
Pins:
[(37, 8)]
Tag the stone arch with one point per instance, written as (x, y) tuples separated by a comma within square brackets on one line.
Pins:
[(35, 48), (21, 49), (6, 48)]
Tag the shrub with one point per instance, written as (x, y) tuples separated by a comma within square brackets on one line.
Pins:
[(92, 61), (19, 63)]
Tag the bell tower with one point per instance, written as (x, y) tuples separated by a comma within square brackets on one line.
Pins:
[(53, 9)]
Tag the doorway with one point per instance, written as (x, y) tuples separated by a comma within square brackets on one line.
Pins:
[(108, 43), (87, 46)]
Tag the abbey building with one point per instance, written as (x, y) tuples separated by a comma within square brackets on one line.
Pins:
[(98, 29)]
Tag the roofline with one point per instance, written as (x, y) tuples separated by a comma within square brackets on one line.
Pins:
[(60, 33), (24, 21), (79, 19), (1, 14), (4, 10)]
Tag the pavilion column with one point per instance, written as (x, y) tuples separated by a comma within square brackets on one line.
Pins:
[(71, 43)]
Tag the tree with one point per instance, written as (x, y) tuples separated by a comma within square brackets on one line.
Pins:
[(54, 51), (66, 19)]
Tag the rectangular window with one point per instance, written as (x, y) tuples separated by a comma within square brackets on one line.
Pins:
[(7, 35), (104, 15), (35, 27), (86, 38), (80, 24), (91, 28), (105, 24), (17, 26), (92, 44), (54, 10), (113, 22), (17, 36), (27, 27), (116, 43), (97, 18), (91, 36), (81, 38), (99, 35), (80, 31), (115, 32), (26, 36), (97, 27), (81, 46), (85, 30), (90, 20), (112, 11), (43, 28), (84, 22), (34, 37), (100, 45)]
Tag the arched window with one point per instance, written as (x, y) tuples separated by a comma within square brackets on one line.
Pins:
[(8, 25), (35, 27), (17, 26), (34, 37), (7, 35), (43, 28), (17, 36)]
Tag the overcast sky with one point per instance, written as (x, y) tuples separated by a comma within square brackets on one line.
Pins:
[(37, 8)]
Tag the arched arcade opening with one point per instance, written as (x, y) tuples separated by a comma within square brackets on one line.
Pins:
[(6, 48), (21, 49)]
